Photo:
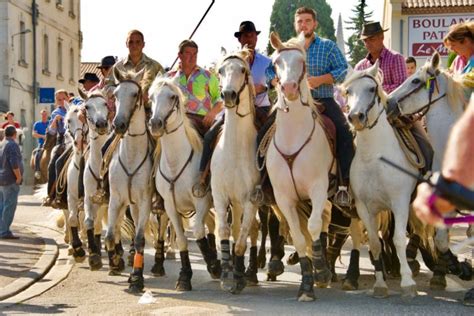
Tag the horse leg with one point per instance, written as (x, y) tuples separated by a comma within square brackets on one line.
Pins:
[(221, 204), (208, 253), (78, 252), (322, 274), (401, 219), (351, 282), (305, 292), (264, 215), (370, 222), (116, 210), (241, 224), (277, 247), (158, 268), (211, 237), (131, 251), (252, 269), (141, 213), (90, 221)]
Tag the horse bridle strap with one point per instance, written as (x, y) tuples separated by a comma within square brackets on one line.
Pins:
[(137, 104), (175, 107), (244, 84), (131, 175), (171, 182), (371, 105), (290, 159)]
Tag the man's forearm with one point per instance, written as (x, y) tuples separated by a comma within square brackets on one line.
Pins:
[(17, 173)]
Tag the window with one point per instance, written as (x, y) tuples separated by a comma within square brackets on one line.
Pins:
[(46, 55), (71, 65), (22, 59), (72, 13), (60, 60)]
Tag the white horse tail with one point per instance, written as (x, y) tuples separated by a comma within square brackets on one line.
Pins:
[(41, 191), (128, 230)]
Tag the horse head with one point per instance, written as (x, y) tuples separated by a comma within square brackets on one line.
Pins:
[(364, 92), (416, 93), (75, 126), (289, 60), (97, 112), (128, 98), (235, 75), (167, 101)]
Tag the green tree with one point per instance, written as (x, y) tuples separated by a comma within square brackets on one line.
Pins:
[(282, 18), (357, 50)]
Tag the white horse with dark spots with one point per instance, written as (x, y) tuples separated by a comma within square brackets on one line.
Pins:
[(233, 168), (299, 160), (129, 173), (441, 99), (177, 171), (96, 113)]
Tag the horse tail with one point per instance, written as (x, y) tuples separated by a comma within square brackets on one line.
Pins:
[(127, 229), (386, 224), (424, 231)]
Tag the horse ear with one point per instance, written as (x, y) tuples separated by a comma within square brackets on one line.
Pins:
[(374, 70), (245, 53), (435, 59), (82, 94), (140, 75), (117, 75), (223, 51), (275, 40), (301, 39)]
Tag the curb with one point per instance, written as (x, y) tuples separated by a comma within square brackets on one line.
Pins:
[(25, 288)]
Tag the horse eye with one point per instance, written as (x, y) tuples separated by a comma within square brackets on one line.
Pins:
[(173, 98), (221, 71), (348, 91), (135, 95), (87, 107), (372, 89), (416, 81), (243, 70)]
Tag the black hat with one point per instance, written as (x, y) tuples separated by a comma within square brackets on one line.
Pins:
[(371, 29), (245, 27), (89, 76), (106, 62)]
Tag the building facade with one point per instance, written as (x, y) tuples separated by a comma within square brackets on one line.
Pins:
[(41, 41), (417, 27)]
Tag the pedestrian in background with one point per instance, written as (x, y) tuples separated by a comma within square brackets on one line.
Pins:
[(11, 176), (10, 120), (411, 65), (39, 132)]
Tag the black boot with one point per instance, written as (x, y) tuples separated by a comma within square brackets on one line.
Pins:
[(252, 269), (185, 275), (351, 281), (412, 249), (158, 268), (210, 257)]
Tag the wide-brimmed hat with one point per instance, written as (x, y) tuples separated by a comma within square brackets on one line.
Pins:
[(89, 76), (107, 62), (371, 29), (245, 27)]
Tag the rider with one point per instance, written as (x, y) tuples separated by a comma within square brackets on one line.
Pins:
[(325, 65), (460, 39), (203, 98), (105, 67), (56, 128), (458, 166), (394, 72), (89, 81), (39, 132)]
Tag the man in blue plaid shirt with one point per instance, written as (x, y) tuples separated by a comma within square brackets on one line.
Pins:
[(325, 65)]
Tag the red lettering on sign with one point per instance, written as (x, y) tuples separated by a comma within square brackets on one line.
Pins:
[(427, 49)]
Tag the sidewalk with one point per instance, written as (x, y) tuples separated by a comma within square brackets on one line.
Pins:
[(28, 259)]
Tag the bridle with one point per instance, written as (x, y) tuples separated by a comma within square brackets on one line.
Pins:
[(83, 130), (375, 99), (430, 84), (244, 84), (91, 121), (138, 104), (174, 107), (286, 108)]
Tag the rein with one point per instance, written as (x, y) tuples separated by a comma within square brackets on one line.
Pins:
[(371, 104), (174, 108), (290, 159), (172, 181), (286, 108)]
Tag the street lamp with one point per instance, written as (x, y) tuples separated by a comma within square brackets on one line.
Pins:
[(19, 33)]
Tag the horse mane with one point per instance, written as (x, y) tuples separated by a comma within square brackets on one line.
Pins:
[(192, 134), (355, 75), (243, 55), (456, 91)]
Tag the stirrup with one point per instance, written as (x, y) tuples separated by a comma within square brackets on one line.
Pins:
[(98, 197), (37, 175), (46, 201), (200, 189), (342, 197), (257, 197), (158, 205)]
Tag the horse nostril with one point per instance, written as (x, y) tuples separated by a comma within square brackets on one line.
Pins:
[(361, 117)]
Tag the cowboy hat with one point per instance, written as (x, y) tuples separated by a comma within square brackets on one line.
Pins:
[(245, 27), (371, 29)]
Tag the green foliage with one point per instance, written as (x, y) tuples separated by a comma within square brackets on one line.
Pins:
[(357, 50), (282, 18)]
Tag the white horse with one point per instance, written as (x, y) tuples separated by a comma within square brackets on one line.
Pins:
[(233, 169), (435, 94), (299, 160), (76, 130), (129, 173), (377, 186), (96, 112), (177, 171)]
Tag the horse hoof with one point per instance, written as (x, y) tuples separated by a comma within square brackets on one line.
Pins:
[(323, 278), (438, 283), (275, 268), (271, 278), (114, 272), (79, 255), (261, 259), (227, 280), (215, 269), (469, 298), (306, 297), (409, 292), (414, 267), (121, 265), (134, 288), (293, 259), (170, 255), (350, 285), (183, 285), (251, 277), (239, 285), (70, 250), (158, 270), (95, 262), (466, 271), (380, 292)]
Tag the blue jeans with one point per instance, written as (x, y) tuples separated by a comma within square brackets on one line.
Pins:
[(8, 201)]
